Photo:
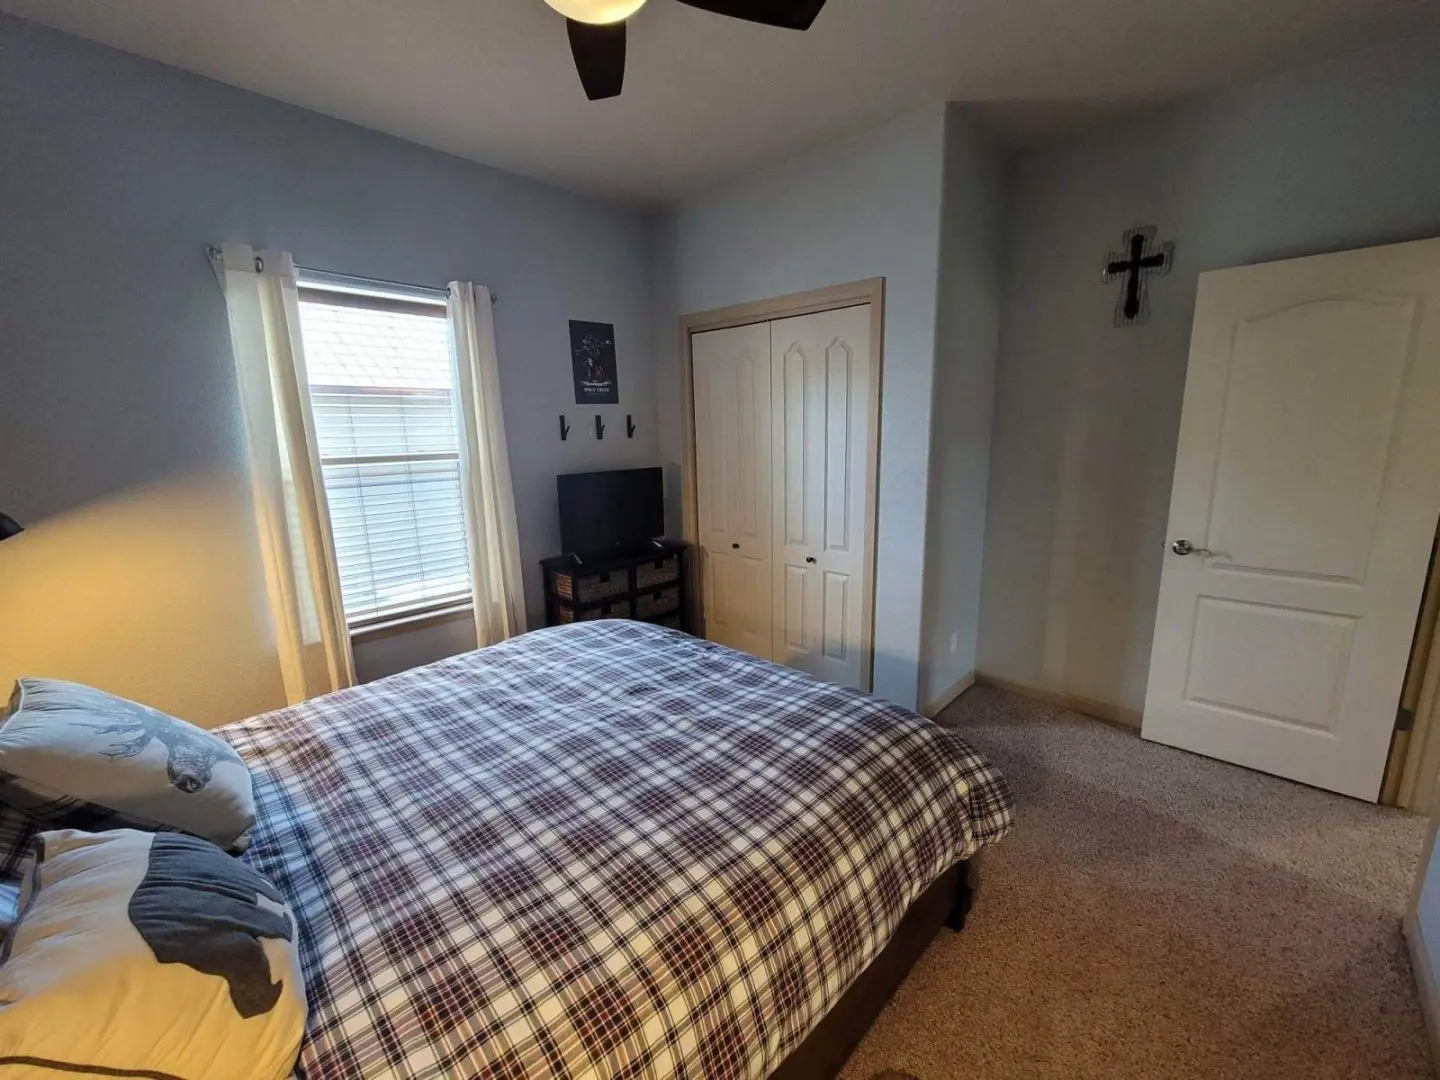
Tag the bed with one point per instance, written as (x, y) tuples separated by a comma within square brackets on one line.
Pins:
[(608, 850)]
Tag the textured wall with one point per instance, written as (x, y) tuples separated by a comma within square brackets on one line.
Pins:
[(116, 384), (1425, 929), (967, 337), (1337, 156), (868, 206)]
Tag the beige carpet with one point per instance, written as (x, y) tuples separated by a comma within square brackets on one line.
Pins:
[(1157, 914)]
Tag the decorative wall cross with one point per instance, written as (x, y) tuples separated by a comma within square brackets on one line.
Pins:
[(1135, 264)]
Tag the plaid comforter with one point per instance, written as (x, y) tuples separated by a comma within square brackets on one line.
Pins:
[(599, 851)]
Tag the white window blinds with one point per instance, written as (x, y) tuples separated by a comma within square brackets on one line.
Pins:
[(382, 389)]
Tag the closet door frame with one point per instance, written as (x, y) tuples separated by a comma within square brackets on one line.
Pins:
[(870, 291)]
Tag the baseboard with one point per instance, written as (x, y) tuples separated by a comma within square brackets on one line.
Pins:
[(1424, 981), (1100, 710), (935, 707)]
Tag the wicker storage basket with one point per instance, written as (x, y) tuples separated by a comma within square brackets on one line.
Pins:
[(587, 588), (618, 610), (660, 602), (659, 572)]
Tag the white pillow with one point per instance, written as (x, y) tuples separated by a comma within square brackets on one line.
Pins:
[(145, 954), (79, 757)]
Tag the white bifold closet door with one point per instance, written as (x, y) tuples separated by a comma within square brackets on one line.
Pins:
[(731, 377), (819, 422), (783, 413)]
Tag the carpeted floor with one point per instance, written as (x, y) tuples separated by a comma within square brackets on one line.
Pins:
[(1157, 914)]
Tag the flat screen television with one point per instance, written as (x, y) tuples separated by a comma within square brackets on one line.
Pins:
[(601, 511)]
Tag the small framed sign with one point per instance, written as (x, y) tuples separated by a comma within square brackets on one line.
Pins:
[(592, 355)]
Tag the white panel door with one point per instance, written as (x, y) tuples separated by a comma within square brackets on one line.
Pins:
[(1306, 491), (820, 417), (731, 375)]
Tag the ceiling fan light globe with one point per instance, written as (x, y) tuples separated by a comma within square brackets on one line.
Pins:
[(597, 12)]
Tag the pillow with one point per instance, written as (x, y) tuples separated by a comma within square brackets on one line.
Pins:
[(149, 954), (86, 759)]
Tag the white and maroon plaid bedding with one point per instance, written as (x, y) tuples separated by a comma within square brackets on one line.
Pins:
[(607, 850), (16, 829)]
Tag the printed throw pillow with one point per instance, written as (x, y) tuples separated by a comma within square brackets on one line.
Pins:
[(148, 954), (82, 758)]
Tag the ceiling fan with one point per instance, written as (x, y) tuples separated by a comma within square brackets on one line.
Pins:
[(597, 31)]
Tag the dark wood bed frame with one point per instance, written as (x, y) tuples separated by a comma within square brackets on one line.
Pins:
[(825, 1050)]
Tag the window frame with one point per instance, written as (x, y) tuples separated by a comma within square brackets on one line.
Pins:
[(316, 287)]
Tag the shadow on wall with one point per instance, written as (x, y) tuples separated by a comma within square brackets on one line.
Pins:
[(155, 594), (675, 501), (1317, 159), (378, 657)]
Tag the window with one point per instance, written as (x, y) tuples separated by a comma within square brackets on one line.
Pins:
[(383, 389)]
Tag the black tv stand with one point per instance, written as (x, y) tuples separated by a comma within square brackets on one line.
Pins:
[(645, 581), (607, 557)]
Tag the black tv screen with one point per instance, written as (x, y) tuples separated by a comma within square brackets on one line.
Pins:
[(603, 510)]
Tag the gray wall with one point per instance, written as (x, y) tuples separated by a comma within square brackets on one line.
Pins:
[(116, 385), (1423, 930), (379, 655), (1336, 156), (967, 337), (868, 206)]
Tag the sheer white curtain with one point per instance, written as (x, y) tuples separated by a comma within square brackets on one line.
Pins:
[(488, 493), (296, 543)]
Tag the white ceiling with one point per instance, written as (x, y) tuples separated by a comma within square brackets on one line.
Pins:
[(706, 97)]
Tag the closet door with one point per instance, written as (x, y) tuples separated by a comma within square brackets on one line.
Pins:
[(731, 375), (820, 423)]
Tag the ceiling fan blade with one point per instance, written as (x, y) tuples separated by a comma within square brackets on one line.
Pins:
[(599, 53), (789, 14)]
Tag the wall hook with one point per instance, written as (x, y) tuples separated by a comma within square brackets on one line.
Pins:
[(629, 426), (564, 428), (599, 427)]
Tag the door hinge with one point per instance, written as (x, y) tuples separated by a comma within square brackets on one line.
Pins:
[(1404, 719)]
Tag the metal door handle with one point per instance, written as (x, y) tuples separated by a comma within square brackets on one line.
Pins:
[(1185, 547), (735, 546), (810, 558)]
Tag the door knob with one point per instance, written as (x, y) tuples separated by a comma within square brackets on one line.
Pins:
[(735, 546), (810, 558), (1185, 547)]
